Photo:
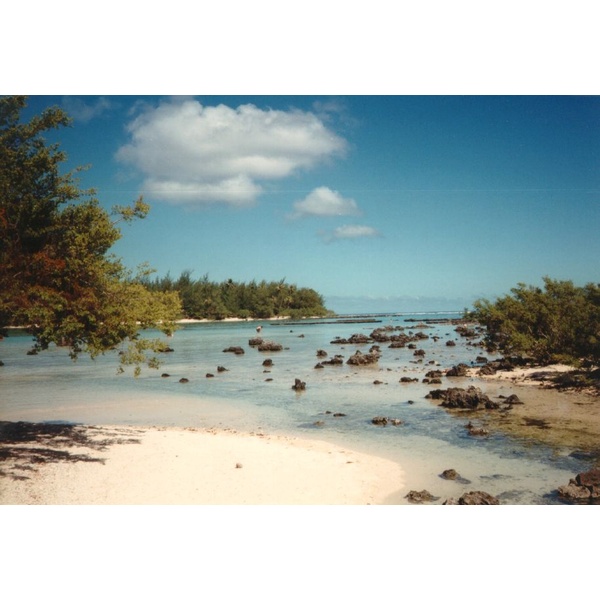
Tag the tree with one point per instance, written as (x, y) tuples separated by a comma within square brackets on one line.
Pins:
[(56, 276), (558, 323)]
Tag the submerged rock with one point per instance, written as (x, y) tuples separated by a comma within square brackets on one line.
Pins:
[(472, 398), (299, 385), (420, 497), (234, 349), (474, 498)]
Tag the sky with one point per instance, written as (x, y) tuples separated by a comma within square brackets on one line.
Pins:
[(379, 202)]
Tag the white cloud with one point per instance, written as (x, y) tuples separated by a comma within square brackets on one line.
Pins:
[(324, 202), (195, 154), (354, 231)]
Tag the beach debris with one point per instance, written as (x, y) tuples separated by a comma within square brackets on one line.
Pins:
[(473, 498), (583, 489), (299, 386), (234, 349), (472, 398), (419, 497), (184, 380), (460, 370)]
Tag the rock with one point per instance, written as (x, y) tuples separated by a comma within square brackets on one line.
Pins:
[(319, 423), (487, 370), (419, 352), (184, 380), (165, 375), (257, 341), (449, 474), (339, 414), (319, 366), (209, 375), (472, 398), (450, 343), (434, 373), (459, 370), (321, 354), (299, 385), (268, 362), (585, 488), (222, 369), (377, 382), (396, 422), (238, 465), (473, 498), (234, 349), (383, 421), (420, 497), (589, 478), (338, 359), (269, 346), (361, 359), (513, 399), (481, 360)]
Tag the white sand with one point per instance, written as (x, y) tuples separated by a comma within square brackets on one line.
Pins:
[(186, 466)]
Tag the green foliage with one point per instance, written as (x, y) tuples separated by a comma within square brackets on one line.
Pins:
[(204, 299), (56, 276), (558, 323)]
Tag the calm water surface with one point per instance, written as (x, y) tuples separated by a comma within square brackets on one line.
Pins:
[(50, 387)]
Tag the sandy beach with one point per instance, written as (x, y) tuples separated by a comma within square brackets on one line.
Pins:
[(162, 466)]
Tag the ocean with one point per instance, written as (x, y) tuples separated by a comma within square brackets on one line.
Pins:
[(337, 404)]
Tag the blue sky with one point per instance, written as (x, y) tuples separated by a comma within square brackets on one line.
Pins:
[(380, 203)]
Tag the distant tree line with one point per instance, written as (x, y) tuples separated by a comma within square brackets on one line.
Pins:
[(204, 299), (559, 323)]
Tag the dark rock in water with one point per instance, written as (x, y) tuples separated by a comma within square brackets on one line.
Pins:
[(165, 375), (420, 352), (434, 373), (513, 399), (234, 349), (363, 359), (257, 341), (338, 359), (449, 474), (476, 431), (472, 398), (222, 369), (584, 489), (383, 421), (396, 422), (321, 354), (166, 349), (268, 362), (410, 401), (408, 379), (339, 415), (208, 375), (319, 366), (377, 382), (299, 385), (450, 343), (459, 370), (184, 380), (420, 497), (480, 498), (269, 346), (481, 359), (269, 379)]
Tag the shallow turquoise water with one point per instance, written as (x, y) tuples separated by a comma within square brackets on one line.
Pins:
[(50, 387)]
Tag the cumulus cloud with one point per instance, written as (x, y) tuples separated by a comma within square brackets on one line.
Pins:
[(350, 232), (195, 154), (85, 111), (324, 202)]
